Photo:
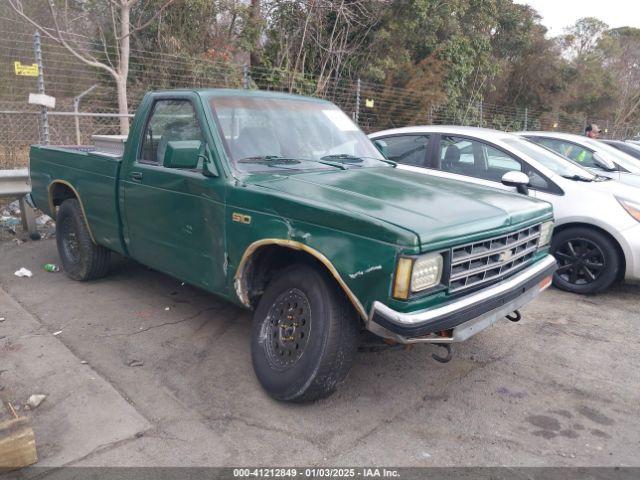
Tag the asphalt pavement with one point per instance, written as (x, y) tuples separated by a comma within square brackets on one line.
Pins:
[(140, 370)]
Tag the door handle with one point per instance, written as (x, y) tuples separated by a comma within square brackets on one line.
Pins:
[(136, 176)]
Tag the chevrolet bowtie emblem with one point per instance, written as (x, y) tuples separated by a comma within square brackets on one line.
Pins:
[(506, 256)]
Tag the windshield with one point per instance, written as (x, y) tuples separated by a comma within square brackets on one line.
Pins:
[(556, 163), (290, 135)]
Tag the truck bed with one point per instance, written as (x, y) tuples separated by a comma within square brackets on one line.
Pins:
[(92, 174)]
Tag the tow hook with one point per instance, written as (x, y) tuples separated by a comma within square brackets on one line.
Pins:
[(515, 316), (447, 357)]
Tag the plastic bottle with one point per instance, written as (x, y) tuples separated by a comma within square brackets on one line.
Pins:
[(50, 267)]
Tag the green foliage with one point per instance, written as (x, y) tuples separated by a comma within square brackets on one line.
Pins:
[(448, 56)]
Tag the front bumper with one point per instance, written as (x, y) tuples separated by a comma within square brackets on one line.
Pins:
[(461, 318), (629, 239)]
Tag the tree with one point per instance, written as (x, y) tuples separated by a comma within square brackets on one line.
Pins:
[(621, 58), (531, 65), (322, 38), (114, 25), (582, 38)]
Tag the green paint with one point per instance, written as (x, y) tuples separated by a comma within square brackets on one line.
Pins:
[(179, 220)]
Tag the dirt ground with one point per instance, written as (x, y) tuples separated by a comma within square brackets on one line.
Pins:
[(140, 370)]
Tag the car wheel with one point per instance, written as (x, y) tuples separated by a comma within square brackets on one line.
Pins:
[(304, 335), (81, 258), (588, 260)]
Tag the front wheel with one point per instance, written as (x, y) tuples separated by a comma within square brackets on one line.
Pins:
[(588, 260), (304, 337)]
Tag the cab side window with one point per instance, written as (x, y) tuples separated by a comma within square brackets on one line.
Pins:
[(170, 120), (477, 159), (406, 149), (570, 150)]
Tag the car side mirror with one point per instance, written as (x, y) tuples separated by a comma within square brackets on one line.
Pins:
[(182, 154), (517, 179), (381, 145), (604, 163)]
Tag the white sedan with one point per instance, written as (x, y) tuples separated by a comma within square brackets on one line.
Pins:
[(597, 235), (600, 158)]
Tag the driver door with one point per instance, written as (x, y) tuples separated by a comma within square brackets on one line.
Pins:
[(175, 216)]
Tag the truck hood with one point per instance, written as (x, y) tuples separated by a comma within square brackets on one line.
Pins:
[(435, 209)]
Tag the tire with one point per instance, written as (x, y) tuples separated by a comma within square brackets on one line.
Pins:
[(82, 259), (305, 336), (588, 260)]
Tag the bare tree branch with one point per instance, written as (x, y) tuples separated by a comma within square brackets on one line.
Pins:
[(139, 27), (16, 5)]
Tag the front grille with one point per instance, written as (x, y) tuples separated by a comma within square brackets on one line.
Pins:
[(480, 262)]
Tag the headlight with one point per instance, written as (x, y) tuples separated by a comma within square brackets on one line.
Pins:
[(546, 230), (632, 208), (417, 274)]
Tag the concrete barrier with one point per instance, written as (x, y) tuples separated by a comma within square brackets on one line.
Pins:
[(16, 184)]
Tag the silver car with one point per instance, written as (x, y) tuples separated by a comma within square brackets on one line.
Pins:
[(594, 155), (597, 236)]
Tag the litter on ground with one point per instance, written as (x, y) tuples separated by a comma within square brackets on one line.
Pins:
[(23, 272), (35, 400)]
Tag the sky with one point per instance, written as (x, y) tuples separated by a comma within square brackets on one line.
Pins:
[(559, 14)]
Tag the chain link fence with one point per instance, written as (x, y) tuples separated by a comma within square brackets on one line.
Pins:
[(86, 97)]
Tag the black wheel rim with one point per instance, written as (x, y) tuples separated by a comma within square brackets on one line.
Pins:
[(580, 261), (287, 328), (70, 241)]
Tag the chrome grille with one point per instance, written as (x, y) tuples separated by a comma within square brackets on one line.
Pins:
[(480, 262)]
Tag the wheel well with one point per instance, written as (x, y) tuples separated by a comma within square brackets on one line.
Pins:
[(623, 261), (59, 192), (265, 262)]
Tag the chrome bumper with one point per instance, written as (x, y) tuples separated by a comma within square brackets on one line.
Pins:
[(464, 317)]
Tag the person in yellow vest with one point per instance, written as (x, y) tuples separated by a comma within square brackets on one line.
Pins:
[(592, 131)]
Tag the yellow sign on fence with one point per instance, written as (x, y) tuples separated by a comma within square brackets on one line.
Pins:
[(26, 70)]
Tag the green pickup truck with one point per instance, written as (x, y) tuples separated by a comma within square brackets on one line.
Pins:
[(280, 204)]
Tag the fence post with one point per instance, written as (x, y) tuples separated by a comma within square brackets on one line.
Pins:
[(76, 110), (526, 118), (481, 113), (44, 118), (357, 114), (245, 76)]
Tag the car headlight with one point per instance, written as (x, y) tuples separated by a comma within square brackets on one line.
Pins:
[(546, 231), (632, 208), (417, 274)]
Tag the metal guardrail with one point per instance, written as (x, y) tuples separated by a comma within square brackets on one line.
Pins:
[(14, 183), (17, 184)]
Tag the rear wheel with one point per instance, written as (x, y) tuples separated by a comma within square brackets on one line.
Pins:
[(305, 336), (588, 260), (81, 258)]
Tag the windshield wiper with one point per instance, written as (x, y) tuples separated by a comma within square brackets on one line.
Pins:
[(577, 178), (274, 160), (354, 158), (602, 178), (269, 159)]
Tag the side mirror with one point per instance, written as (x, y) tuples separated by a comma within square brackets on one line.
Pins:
[(381, 145), (182, 154), (604, 163), (517, 179)]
